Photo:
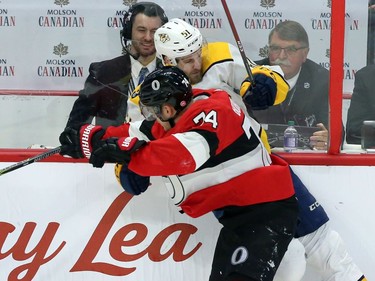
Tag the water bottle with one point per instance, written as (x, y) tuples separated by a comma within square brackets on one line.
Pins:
[(290, 137)]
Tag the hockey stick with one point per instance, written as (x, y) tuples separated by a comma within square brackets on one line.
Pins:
[(238, 41), (30, 160)]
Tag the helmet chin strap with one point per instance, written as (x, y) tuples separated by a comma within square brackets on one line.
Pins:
[(171, 122)]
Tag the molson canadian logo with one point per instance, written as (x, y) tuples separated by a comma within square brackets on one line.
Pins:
[(263, 52), (60, 67), (199, 3), (349, 72), (267, 3), (6, 19), (5, 69), (324, 20), (117, 21), (61, 17), (200, 18), (129, 2), (265, 18)]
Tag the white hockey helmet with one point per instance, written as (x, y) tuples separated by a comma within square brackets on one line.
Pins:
[(177, 39)]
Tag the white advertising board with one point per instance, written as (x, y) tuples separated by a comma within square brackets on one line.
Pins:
[(66, 221)]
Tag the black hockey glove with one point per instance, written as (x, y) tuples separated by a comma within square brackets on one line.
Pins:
[(69, 140), (131, 182), (115, 150)]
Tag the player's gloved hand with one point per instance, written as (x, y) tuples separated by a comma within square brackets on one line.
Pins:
[(79, 144), (262, 94), (69, 140), (269, 88), (90, 137), (115, 150), (131, 182)]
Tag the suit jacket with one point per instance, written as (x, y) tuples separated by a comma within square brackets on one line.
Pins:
[(306, 103), (105, 93), (362, 104)]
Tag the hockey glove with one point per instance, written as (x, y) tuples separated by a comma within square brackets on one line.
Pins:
[(69, 140), (115, 150), (90, 136), (269, 88), (79, 144), (131, 182)]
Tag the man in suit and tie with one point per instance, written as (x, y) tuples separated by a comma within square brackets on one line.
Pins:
[(110, 83), (307, 100)]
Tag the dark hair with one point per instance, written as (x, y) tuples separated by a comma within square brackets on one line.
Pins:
[(290, 31), (149, 9)]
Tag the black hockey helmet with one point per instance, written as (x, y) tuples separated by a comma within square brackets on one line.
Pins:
[(150, 9), (165, 85)]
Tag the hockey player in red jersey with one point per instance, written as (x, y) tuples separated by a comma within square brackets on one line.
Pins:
[(214, 160), (220, 65)]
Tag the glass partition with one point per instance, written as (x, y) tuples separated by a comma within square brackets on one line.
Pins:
[(47, 47)]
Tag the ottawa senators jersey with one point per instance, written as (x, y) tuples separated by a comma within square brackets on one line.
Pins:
[(223, 68), (211, 158)]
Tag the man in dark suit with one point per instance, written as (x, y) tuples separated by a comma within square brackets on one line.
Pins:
[(110, 83), (362, 104), (307, 100)]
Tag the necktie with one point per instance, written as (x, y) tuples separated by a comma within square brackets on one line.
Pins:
[(133, 111), (142, 74)]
